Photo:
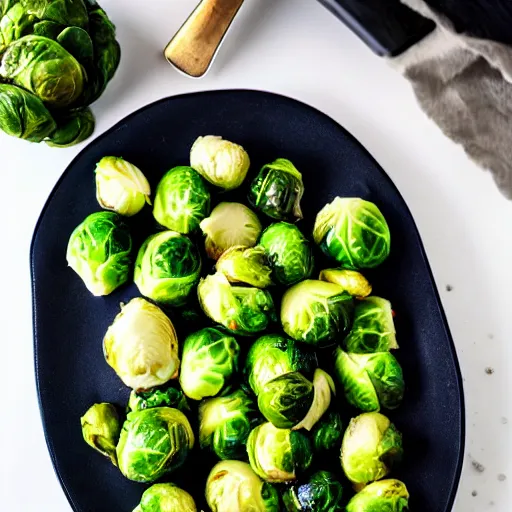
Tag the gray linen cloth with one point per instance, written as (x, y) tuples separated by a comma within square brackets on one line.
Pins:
[(465, 85)]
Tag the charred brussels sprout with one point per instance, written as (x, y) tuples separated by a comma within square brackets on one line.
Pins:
[(351, 281), (166, 498), (247, 265), (182, 200), (327, 433), (383, 496), (277, 190), (165, 397)]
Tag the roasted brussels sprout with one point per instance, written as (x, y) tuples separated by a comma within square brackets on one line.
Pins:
[(141, 345), (225, 424), (322, 492), (351, 281), (99, 251), (101, 429), (230, 225), (72, 128), (210, 357), (353, 232), (370, 381), (383, 496), (326, 435), (277, 454), (120, 186), (167, 268), (247, 265), (373, 329), (233, 486), (222, 163), (153, 442), (289, 252), (316, 312), (277, 190), (164, 397), (182, 200), (166, 498), (241, 310), (371, 446)]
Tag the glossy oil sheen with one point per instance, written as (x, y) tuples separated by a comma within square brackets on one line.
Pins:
[(69, 323)]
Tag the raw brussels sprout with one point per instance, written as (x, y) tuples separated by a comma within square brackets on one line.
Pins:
[(371, 446), (166, 498), (373, 329), (210, 357), (165, 397), (141, 346), (383, 496), (167, 268), (353, 232), (278, 454), (120, 186), (182, 200), (153, 442), (225, 424), (14, 23), (322, 492), (72, 129), (241, 310), (233, 486), (71, 12), (316, 312), (222, 163), (326, 435), (273, 355), (351, 281), (101, 429), (230, 225), (289, 252), (247, 265), (77, 42), (278, 190), (370, 381), (99, 252)]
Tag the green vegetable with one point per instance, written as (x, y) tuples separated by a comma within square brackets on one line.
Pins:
[(326, 435), (153, 443), (167, 268), (371, 446), (277, 190), (182, 200), (99, 251), (210, 357), (14, 23), (322, 492), (141, 346), (289, 252), (78, 43), (351, 281), (165, 397), (166, 498), (316, 312), (233, 486), (370, 381), (72, 129), (383, 496), (68, 12), (353, 232)]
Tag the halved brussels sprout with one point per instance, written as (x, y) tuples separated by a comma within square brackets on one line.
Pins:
[(233, 486), (289, 252), (166, 498), (230, 225), (241, 310), (351, 281), (373, 329), (326, 435), (167, 268), (209, 359), (371, 446), (182, 200), (384, 496), (222, 163), (316, 312), (141, 345), (277, 190), (164, 397), (278, 454), (120, 186), (247, 265), (370, 381), (99, 251), (101, 429), (225, 424), (322, 492), (353, 232), (154, 442)]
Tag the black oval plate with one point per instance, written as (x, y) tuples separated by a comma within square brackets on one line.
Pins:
[(69, 323)]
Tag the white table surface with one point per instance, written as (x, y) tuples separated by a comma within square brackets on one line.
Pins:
[(296, 48)]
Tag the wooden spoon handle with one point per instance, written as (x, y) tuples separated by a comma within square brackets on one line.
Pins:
[(194, 46)]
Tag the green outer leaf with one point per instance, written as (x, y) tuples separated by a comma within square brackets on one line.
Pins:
[(13, 25), (65, 12), (73, 129), (383, 496), (165, 397), (77, 42), (327, 433), (48, 29), (351, 281), (166, 497)]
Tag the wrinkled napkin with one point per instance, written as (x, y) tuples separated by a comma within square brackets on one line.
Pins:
[(465, 85)]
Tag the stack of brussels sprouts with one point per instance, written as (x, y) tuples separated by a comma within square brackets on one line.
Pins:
[(217, 382)]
